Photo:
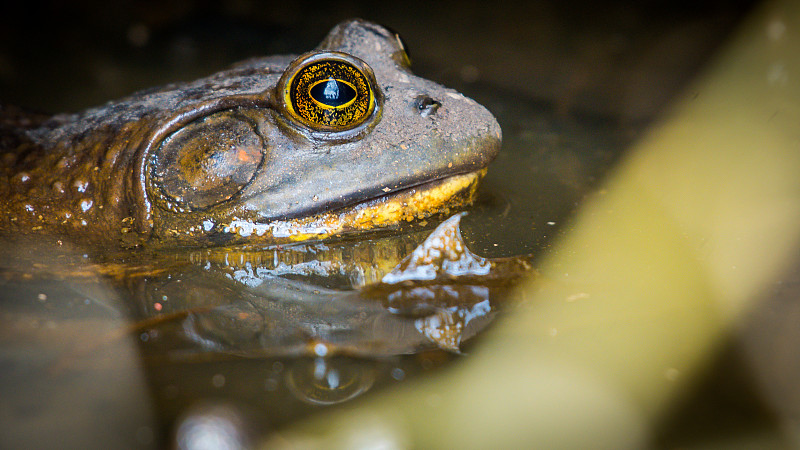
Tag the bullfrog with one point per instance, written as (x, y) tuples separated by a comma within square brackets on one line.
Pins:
[(342, 139)]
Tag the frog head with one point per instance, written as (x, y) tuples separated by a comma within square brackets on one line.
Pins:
[(346, 138)]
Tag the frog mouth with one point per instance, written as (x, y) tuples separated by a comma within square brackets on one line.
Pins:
[(413, 203)]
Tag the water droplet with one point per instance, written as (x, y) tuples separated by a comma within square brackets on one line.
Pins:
[(81, 185), (320, 349)]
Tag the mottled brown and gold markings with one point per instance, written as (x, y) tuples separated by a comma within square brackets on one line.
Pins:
[(330, 95)]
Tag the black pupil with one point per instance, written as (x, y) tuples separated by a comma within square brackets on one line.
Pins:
[(333, 93)]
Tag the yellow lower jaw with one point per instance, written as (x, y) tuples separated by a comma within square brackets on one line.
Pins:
[(415, 203)]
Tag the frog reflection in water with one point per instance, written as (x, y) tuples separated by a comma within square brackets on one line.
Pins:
[(438, 297), (278, 149)]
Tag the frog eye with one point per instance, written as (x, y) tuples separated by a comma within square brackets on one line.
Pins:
[(328, 91), (207, 161)]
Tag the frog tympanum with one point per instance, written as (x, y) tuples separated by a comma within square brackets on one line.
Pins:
[(343, 138)]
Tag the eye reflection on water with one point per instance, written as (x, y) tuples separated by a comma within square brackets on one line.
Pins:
[(324, 381)]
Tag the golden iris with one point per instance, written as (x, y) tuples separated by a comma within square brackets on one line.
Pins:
[(330, 93)]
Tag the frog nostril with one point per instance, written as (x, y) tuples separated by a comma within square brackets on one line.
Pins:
[(426, 105)]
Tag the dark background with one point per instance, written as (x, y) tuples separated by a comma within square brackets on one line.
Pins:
[(614, 58)]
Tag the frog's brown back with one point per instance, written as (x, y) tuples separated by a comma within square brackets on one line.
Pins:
[(63, 185)]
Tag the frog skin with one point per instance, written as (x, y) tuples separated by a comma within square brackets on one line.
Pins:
[(276, 149)]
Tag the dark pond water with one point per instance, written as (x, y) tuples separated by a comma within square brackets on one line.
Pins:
[(138, 349)]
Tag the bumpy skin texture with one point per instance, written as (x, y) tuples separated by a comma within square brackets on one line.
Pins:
[(91, 175)]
